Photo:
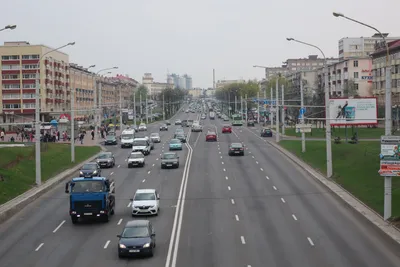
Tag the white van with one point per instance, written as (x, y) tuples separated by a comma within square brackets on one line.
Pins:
[(127, 137)]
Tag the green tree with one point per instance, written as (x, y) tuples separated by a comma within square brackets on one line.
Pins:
[(173, 100), (141, 91)]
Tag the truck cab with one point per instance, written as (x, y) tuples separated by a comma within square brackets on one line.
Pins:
[(91, 198)]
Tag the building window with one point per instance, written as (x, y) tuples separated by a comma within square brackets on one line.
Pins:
[(355, 75), (355, 63), (10, 67), (29, 76), (356, 86), (29, 86), (11, 86), (16, 57), (30, 56), (11, 106), (10, 77), (11, 96), (28, 96), (27, 67), (29, 105)]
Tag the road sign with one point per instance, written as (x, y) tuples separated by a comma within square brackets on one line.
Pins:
[(390, 156), (302, 111), (303, 128)]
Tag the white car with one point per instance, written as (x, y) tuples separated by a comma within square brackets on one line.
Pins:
[(142, 127), (155, 137), (141, 145), (145, 202), (136, 159), (127, 137)]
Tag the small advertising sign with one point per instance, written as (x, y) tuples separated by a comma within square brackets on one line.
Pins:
[(390, 156)]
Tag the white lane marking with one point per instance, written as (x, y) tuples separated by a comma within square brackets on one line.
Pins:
[(111, 173), (261, 169), (126, 160), (119, 166), (294, 217), (144, 180), (233, 201), (222, 162), (221, 157), (156, 158), (229, 188), (41, 245), (224, 170), (59, 226), (237, 218), (153, 164), (242, 239), (275, 188), (129, 204), (119, 222), (160, 154), (256, 162), (249, 152), (248, 265), (107, 243), (226, 177), (219, 152), (283, 200), (148, 172), (252, 157), (162, 150), (267, 177), (310, 241)]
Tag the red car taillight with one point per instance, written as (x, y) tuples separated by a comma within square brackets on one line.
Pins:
[(242, 148)]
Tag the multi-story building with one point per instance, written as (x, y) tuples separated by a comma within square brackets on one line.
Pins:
[(222, 83), (21, 63), (351, 47), (183, 82), (188, 82), (309, 78), (82, 84), (155, 88), (195, 92), (379, 74)]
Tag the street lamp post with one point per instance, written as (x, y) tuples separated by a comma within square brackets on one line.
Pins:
[(388, 112), (8, 27), (38, 164), (327, 111), (98, 104)]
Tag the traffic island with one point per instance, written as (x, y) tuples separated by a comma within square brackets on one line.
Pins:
[(355, 168), (17, 165)]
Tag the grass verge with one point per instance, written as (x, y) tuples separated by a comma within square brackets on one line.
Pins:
[(368, 133), (17, 165), (355, 167)]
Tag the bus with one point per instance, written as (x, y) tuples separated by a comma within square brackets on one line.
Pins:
[(237, 120)]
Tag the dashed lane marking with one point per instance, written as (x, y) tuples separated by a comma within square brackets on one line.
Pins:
[(275, 188), (224, 170), (119, 222), (119, 166), (237, 218), (144, 180), (229, 188), (129, 204), (283, 200), (148, 172), (59, 226), (156, 158), (261, 169), (267, 177), (310, 241), (107, 243), (41, 245), (233, 201), (222, 162), (294, 217), (243, 240), (256, 162), (226, 177), (111, 173), (154, 164)]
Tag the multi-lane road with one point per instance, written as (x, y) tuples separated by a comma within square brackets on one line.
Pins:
[(256, 210)]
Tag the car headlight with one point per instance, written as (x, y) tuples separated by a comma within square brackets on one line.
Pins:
[(80, 172), (95, 172), (147, 245), (122, 246), (110, 160)]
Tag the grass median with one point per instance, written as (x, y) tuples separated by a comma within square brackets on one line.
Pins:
[(355, 167), (367, 133), (17, 165)]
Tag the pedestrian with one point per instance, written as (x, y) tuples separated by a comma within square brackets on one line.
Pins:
[(2, 134), (92, 133)]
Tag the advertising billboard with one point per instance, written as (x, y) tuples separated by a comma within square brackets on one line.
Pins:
[(353, 111)]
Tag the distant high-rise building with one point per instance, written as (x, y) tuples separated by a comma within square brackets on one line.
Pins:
[(188, 82), (183, 82)]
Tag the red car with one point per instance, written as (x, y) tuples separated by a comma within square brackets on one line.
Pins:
[(226, 129), (211, 136)]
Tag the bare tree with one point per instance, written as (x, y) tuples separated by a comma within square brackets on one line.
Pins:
[(350, 88)]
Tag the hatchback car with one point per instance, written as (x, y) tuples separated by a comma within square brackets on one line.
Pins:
[(155, 137), (106, 159), (250, 123), (178, 122), (211, 136), (145, 202), (164, 127), (175, 144), (110, 140), (142, 127), (226, 129), (181, 137), (266, 132), (136, 159), (236, 149), (137, 238), (169, 160), (90, 169)]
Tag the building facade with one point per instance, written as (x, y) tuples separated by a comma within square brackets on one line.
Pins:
[(379, 74), (155, 88), (82, 84), (183, 82), (21, 63), (351, 47), (195, 92), (222, 83)]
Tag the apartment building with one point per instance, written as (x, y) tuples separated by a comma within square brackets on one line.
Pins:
[(309, 78), (379, 74), (21, 63), (82, 84), (183, 82), (351, 47), (155, 88)]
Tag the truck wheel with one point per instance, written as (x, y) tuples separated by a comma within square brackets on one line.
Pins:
[(106, 218), (112, 211), (74, 220)]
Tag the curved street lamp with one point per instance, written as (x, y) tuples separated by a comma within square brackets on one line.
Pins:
[(9, 27)]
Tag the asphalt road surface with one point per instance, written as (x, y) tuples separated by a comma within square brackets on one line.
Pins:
[(256, 210)]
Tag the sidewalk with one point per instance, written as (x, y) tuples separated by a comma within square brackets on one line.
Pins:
[(87, 141)]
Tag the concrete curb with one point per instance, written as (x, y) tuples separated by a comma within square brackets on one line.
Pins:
[(13, 206), (344, 195)]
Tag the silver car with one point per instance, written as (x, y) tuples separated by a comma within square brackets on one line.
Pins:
[(155, 137)]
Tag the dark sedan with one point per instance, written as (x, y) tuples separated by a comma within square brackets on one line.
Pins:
[(137, 238), (266, 132), (250, 123), (164, 127), (169, 160), (110, 140), (90, 169), (181, 137), (236, 149), (106, 159)]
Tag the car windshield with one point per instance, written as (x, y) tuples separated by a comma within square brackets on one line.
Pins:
[(144, 196), (175, 141), (135, 232), (139, 143), (227, 126), (127, 136), (210, 133), (164, 125), (110, 137), (89, 167), (142, 124), (104, 156), (154, 135), (136, 156), (169, 156), (85, 186), (179, 131), (178, 136), (236, 145)]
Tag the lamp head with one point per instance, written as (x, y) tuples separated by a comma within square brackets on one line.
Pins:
[(337, 14)]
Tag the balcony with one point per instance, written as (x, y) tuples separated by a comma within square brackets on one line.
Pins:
[(49, 91), (28, 91), (28, 111), (10, 62), (30, 61), (49, 100), (10, 72), (28, 100)]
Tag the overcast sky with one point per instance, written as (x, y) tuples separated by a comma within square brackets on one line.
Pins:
[(187, 36)]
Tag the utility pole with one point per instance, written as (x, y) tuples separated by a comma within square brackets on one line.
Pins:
[(245, 96), (96, 112), (229, 105), (271, 108), (241, 107), (163, 107), (147, 111), (140, 105), (72, 126), (100, 110), (283, 109), (235, 103), (277, 109), (265, 110), (303, 135), (120, 107), (134, 107), (258, 107)]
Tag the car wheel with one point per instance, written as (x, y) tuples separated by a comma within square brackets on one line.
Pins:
[(151, 253), (177, 166), (112, 212), (74, 220), (120, 255), (162, 167)]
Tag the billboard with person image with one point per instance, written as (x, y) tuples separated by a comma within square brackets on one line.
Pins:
[(353, 111)]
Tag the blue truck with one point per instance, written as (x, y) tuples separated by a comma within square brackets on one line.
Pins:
[(91, 198)]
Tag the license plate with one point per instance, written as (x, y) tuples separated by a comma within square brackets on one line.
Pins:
[(169, 165), (88, 176), (88, 213), (134, 250), (237, 152), (134, 163)]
